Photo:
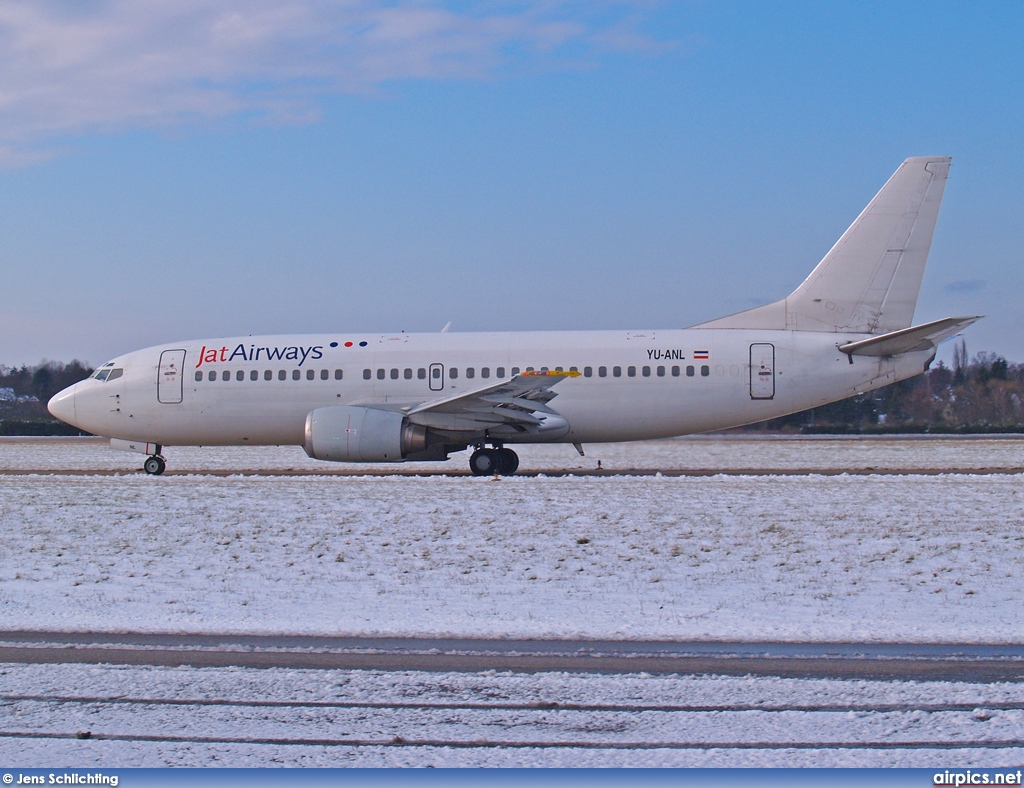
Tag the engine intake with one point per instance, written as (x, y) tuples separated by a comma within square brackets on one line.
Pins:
[(347, 433)]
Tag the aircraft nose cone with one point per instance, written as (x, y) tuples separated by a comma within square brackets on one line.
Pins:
[(62, 405)]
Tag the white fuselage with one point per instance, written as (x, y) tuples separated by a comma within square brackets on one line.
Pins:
[(264, 387)]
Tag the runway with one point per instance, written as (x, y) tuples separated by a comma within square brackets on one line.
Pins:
[(553, 472), (893, 661), (166, 699)]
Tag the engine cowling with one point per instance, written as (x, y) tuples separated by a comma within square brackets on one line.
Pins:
[(346, 433)]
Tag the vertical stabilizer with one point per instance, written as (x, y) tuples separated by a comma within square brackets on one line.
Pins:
[(869, 281)]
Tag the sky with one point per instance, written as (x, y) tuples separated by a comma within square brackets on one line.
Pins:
[(189, 169)]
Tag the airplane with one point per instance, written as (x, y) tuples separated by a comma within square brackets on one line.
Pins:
[(345, 397)]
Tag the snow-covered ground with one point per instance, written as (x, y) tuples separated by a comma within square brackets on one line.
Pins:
[(757, 718), (878, 558), (873, 557)]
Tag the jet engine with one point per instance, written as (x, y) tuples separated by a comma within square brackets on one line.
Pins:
[(351, 434)]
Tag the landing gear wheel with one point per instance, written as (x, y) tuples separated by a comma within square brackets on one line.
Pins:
[(484, 462), (154, 465), (508, 462)]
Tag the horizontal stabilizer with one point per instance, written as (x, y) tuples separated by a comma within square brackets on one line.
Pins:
[(908, 340)]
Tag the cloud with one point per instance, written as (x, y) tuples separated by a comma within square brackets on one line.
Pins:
[(965, 286), (85, 66)]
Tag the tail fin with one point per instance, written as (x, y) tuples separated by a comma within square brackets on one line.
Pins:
[(869, 281)]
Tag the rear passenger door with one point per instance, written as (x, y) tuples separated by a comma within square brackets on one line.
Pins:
[(762, 371)]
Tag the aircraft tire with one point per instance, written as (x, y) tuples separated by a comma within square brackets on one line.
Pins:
[(154, 465), (484, 462), (508, 461)]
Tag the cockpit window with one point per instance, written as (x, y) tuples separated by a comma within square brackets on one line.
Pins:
[(102, 371), (106, 372)]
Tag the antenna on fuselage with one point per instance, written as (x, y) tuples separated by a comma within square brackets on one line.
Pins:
[(446, 327)]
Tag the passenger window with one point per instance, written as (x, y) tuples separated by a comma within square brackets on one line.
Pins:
[(588, 372), (310, 374), (268, 375), (225, 375), (661, 372), (689, 371), (199, 375), (380, 374), (485, 372), (367, 374), (499, 372), (254, 374), (617, 372), (559, 369), (470, 373), (435, 373), (515, 371), (705, 370), (574, 369), (394, 373), (631, 371), (453, 373), (408, 374), (602, 372), (282, 375), (296, 374), (240, 375), (675, 372), (213, 374), (646, 371), (421, 374), (324, 374), (338, 374)]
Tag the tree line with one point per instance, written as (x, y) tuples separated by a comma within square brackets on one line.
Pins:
[(25, 390), (974, 395)]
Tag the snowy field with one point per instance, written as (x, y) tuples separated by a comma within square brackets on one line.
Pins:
[(800, 558), (366, 718), (874, 558)]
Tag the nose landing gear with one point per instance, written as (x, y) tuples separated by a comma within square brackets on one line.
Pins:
[(487, 462), (154, 465)]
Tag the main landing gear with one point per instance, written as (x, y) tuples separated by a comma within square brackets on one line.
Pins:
[(154, 465), (489, 462)]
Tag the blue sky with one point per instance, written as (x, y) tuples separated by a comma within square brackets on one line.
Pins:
[(190, 169)]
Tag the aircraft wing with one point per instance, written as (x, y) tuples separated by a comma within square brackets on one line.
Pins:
[(520, 403), (907, 340)]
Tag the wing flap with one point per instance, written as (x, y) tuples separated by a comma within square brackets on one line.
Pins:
[(515, 403)]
